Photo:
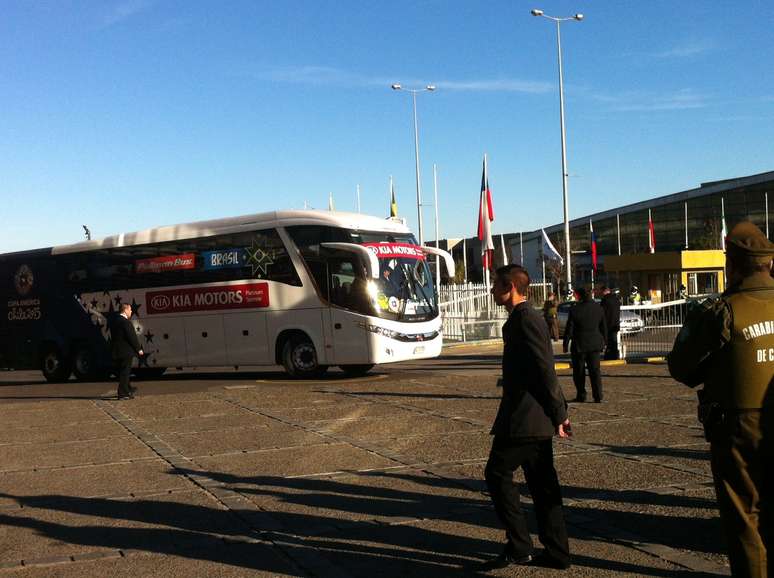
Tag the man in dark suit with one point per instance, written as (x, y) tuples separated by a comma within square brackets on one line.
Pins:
[(587, 330), (532, 410), (125, 347), (611, 305)]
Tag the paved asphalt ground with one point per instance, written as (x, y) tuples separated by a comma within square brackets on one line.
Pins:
[(252, 474)]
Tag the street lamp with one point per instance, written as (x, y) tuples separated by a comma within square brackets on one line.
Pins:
[(414, 91), (558, 21)]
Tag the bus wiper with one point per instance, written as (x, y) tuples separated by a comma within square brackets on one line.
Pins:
[(424, 295), (404, 292)]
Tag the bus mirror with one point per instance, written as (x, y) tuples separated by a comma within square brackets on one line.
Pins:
[(370, 260), (447, 258)]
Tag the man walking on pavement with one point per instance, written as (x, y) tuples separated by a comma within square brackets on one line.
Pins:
[(587, 330), (125, 347), (531, 411), (549, 314), (611, 305), (728, 345)]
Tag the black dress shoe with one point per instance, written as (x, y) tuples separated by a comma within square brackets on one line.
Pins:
[(545, 561), (127, 396), (504, 560)]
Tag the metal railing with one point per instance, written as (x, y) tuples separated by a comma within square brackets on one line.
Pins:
[(469, 313), (660, 325)]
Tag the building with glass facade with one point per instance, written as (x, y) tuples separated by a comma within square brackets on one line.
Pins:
[(686, 221)]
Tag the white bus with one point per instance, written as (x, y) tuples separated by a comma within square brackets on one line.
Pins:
[(303, 289)]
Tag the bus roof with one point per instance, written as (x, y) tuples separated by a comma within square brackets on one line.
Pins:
[(345, 220)]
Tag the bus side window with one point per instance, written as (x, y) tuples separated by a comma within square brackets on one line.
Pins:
[(276, 264)]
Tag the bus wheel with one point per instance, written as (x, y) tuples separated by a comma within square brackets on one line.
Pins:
[(357, 370), (54, 365), (84, 367), (300, 358)]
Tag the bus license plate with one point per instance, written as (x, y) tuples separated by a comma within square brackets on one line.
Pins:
[(420, 349)]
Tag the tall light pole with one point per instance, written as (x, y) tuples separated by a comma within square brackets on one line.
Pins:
[(414, 91), (558, 21)]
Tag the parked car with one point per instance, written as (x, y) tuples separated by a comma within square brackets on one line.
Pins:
[(630, 321)]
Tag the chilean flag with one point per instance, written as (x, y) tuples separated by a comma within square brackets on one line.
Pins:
[(651, 235), (593, 246), (485, 218)]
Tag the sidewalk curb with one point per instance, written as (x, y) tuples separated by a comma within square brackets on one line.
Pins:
[(613, 362), (469, 343)]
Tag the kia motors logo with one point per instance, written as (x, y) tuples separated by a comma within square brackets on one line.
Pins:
[(160, 302)]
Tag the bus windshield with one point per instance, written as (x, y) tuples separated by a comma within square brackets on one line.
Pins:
[(404, 290)]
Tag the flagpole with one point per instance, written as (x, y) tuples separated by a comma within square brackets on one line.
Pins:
[(651, 234), (465, 260), (437, 235), (722, 223), (686, 225), (766, 199), (358, 198), (618, 225), (723, 238), (521, 247), (543, 259), (593, 255), (502, 245), (487, 229)]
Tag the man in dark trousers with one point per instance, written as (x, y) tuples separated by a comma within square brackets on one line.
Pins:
[(611, 305), (532, 410), (587, 330), (125, 347)]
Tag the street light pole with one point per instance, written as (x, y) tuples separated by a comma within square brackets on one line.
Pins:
[(414, 91), (565, 199)]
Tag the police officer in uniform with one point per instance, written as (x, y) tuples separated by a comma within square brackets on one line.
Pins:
[(550, 312), (728, 345)]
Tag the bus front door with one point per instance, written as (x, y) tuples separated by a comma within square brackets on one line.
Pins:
[(350, 345)]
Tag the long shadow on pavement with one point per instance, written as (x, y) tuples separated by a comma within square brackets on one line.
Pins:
[(362, 540)]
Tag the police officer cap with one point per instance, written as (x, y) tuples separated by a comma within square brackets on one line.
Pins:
[(749, 240)]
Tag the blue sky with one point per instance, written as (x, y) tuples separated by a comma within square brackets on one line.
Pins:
[(130, 114)]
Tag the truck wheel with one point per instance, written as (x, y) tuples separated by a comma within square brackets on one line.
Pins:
[(357, 370), (54, 365), (300, 358)]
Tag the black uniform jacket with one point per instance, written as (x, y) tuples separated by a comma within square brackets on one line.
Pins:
[(123, 338), (612, 308), (532, 404), (586, 327)]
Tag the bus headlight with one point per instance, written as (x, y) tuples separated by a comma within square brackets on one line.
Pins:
[(382, 331)]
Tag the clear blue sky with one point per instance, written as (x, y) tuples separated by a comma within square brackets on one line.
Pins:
[(130, 114)]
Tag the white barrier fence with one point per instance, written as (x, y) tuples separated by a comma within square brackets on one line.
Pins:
[(660, 325), (469, 313)]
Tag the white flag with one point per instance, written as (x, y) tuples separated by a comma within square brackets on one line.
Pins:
[(549, 251)]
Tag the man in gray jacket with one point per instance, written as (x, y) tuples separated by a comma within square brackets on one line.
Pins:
[(532, 410)]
